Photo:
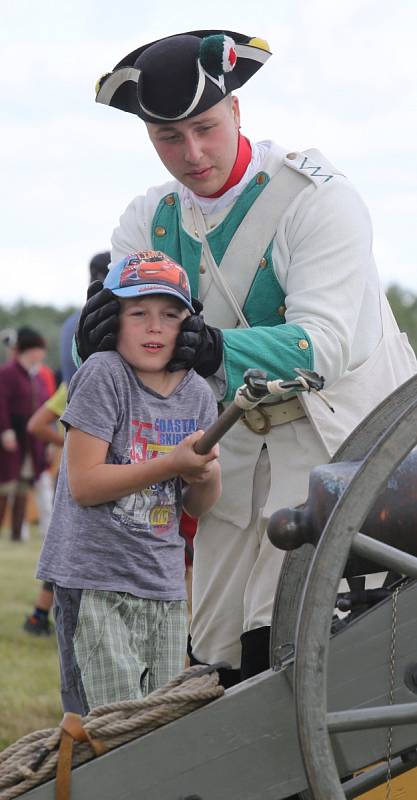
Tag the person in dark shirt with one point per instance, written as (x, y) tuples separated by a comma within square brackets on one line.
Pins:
[(22, 456)]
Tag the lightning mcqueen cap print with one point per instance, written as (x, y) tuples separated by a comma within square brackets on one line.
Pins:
[(149, 272)]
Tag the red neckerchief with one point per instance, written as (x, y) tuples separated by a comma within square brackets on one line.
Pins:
[(243, 157)]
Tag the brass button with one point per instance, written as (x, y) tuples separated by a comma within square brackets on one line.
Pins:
[(160, 231), (292, 156), (303, 344), (281, 312), (263, 262), (202, 269), (261, 178), (170, 200)]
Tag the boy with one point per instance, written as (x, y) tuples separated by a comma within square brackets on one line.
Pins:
[(113, 550)]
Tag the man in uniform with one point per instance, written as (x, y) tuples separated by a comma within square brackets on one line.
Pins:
[(278, 247)]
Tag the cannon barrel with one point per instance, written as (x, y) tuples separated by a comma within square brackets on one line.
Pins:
[(393, 519)]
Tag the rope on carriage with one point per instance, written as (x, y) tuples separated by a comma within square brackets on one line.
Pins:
[(34, 759)]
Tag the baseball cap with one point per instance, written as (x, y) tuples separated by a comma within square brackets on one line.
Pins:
[(149, 272)]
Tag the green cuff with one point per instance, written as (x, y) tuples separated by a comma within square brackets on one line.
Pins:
[(277, 351), (75, 354)]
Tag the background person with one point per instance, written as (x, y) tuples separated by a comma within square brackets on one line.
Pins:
[(97, 271), (22, 457), (43, 487), (278, 246), (43, 425)]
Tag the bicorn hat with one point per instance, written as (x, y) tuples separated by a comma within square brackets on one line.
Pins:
[(183, 75)]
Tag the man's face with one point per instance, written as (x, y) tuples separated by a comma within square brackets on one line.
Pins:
[(149, 327), (200, 152)]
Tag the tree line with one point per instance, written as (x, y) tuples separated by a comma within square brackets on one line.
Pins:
[(404, 305), (48, 320)]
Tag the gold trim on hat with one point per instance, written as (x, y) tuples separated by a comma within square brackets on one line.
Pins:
[(261, 44)]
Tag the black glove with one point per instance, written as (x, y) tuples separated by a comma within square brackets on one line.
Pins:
[(98, 325), (199, 346)]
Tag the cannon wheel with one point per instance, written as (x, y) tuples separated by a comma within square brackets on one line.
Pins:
[(296, 564), (340, 536)]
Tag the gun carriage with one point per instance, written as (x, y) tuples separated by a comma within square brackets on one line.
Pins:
[(340, 693)]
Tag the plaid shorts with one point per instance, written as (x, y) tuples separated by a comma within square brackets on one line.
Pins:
[(114, 646)]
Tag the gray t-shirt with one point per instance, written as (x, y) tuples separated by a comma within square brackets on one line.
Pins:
[(133, 544)]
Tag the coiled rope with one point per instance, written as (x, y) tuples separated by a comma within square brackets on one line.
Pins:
[(33, 759)]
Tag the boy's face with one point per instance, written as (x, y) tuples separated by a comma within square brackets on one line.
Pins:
[(149, 327)]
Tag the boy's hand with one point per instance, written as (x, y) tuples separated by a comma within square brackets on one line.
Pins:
[(98, 325), (206, 473), (190, 466)]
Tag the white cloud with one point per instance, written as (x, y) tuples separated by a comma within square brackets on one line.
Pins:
[(53, 275)]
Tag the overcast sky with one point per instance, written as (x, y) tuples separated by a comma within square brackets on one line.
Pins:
[(342, 78)]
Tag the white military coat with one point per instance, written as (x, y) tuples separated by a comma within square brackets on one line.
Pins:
[(322, 257)]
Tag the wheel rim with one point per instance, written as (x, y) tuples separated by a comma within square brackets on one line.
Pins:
[(320, 595)]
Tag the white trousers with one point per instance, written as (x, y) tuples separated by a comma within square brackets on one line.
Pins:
[(235, 571)]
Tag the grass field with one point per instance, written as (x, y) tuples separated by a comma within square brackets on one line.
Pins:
[(29, 673)]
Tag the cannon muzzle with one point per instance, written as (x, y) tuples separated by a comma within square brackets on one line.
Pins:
[(393, 519)]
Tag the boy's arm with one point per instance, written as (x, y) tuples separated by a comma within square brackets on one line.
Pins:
[(198, 498), (92, 481)]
